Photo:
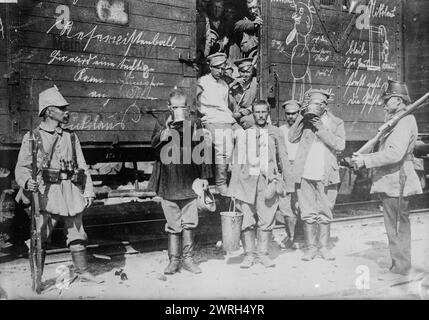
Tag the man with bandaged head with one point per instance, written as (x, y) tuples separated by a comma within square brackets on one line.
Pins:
[(321, 136)]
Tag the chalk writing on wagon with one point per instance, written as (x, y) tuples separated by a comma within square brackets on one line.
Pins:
[(115, 121), (127, 41)]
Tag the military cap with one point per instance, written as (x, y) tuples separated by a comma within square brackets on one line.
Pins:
[(396, 89), (51, 97), (217, 59), (318, 96), (291, 106), (244, 64)]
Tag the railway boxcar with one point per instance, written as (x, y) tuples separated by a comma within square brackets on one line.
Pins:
[(116, 60)]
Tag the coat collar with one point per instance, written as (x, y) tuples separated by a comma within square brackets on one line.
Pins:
[(44, 127)]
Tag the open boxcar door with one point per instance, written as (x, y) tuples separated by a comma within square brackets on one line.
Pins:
[(349, 50), (115, 61)]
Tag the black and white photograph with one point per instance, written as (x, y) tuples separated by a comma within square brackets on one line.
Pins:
[(226, 151)]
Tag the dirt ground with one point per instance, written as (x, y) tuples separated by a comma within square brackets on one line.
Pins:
[(360, 271)]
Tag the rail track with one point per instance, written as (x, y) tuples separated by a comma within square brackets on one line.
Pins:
[(136, 227)]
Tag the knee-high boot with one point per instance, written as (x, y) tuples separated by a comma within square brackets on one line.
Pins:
[(188, 262), (174, 253), (310, 233), (80, 262), (324, 234), (248, 238), (290, 224), (221, 179), (264, 238)]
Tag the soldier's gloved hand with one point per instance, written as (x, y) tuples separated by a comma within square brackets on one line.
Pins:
[(31, 185), (89, 201)]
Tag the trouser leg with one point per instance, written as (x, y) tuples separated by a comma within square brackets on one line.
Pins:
[(221, 136), (404, 234), (398, 231), (390, 223)]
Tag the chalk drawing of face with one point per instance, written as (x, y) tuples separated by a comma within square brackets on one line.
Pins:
[(103, 10), (303, 19)]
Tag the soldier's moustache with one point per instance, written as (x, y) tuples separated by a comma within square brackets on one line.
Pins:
[(59, 115)]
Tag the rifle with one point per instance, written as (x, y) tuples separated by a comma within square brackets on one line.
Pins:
[(385, 129), (36, 263)]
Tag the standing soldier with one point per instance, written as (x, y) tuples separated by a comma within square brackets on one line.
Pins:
[(245, 92), (64, 183), (288, 204), (321, 135), (394, 177), (214, 105), (173, 182), (256, 185)]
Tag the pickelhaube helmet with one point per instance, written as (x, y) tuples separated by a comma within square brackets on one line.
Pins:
[(396, 89)]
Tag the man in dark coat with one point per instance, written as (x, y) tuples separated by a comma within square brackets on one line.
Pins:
[(174, 177)]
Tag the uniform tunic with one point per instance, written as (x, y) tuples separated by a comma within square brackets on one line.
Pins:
[(248, 186), (244, 98), (63, 200), (395, 154), (317, 195)]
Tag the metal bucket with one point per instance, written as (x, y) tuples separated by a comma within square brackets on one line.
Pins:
[(231, 229), (180, 114)]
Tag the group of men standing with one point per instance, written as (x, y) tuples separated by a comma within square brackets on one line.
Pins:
[(297, 172)]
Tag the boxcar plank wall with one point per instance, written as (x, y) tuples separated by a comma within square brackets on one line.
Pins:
[(112, 60), (416, 32), (351, 54)]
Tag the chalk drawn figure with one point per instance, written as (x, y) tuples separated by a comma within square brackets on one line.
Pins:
[(112, 11), (378, 47), (300, 59)]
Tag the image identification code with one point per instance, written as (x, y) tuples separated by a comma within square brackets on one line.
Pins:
[(214, 309)]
